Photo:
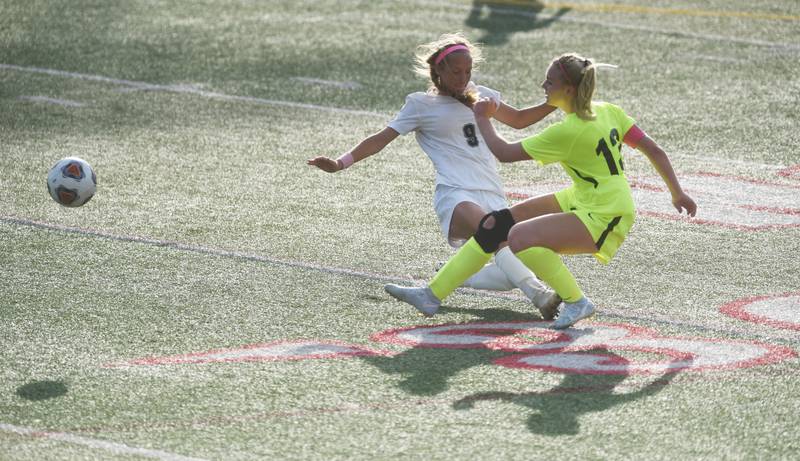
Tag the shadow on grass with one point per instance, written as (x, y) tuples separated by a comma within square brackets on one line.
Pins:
[(426, 371), (557, 411), (501, 19), (42, 390), (491, 314)]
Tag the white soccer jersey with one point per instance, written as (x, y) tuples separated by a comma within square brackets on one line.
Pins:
[(446, 130)]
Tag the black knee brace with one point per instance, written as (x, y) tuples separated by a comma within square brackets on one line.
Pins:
[(490, 239)]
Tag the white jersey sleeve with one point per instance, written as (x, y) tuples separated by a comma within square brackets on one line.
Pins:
[(486, 92), (407, 120)]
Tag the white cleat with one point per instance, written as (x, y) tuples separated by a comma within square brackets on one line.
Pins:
[(572, 312), (422, 298), (547, 302)]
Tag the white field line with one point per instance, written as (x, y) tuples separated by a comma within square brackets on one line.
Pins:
[(112, 447), (317, 81), (185, 89), (608, 24), (46, 100), (197, 249), (608, 311)]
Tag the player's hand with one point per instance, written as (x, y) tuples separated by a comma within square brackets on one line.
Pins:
[(325, 164), (684, 202), (485, 107)]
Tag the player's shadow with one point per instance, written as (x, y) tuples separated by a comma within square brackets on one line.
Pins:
[(491, 314), (557, 411), (500, 19), (426, 371)]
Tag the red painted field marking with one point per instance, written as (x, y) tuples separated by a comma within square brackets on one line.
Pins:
[(531, 345), (535, 346), (457, 336), (792, 172), (570, 355), (779, 311), (268, 352)]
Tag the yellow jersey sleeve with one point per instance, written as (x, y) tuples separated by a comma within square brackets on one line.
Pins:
[(551, 145)]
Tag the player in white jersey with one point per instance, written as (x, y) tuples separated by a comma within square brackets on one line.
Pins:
[(468, 185)]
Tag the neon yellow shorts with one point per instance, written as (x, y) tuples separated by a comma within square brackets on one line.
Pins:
[(608, 231)]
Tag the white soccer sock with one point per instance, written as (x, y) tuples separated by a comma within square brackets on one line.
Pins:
[(490, 278), (518, 273)]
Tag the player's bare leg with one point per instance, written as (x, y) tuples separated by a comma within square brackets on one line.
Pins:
[(538, 243)]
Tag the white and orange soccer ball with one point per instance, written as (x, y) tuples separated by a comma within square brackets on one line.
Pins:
[(71, 182)]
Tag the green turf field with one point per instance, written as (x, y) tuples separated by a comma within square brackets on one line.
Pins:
[(219, 299)]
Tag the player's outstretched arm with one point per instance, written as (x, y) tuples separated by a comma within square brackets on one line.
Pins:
[(680, 200), (369, 146), (505, 152), (522, 118)]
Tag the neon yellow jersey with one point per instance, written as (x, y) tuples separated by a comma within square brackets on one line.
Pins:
[(591, 154)]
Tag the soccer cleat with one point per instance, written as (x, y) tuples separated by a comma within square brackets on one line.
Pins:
[(422, 298), (572, 312), (547, 302)]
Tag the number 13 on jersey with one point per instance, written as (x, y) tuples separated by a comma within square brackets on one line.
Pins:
[(604, 150)]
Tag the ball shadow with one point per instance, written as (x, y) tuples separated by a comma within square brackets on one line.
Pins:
[(42, 390)]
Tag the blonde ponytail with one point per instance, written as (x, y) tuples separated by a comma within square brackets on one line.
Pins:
[(581, 73), (583, 97)]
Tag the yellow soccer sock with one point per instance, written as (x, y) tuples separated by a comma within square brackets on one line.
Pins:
[(468, 260), (547, 265)]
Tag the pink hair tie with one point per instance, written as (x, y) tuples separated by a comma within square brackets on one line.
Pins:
[(449, 50)]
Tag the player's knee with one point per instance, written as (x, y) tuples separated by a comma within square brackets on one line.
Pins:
[(493, 229), (516, 242)]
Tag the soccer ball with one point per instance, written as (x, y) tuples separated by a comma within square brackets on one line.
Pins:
[(71, 182)]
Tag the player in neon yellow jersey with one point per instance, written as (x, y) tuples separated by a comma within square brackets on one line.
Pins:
[(592, 216)]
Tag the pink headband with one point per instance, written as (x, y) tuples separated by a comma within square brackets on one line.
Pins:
[(448, 51)]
